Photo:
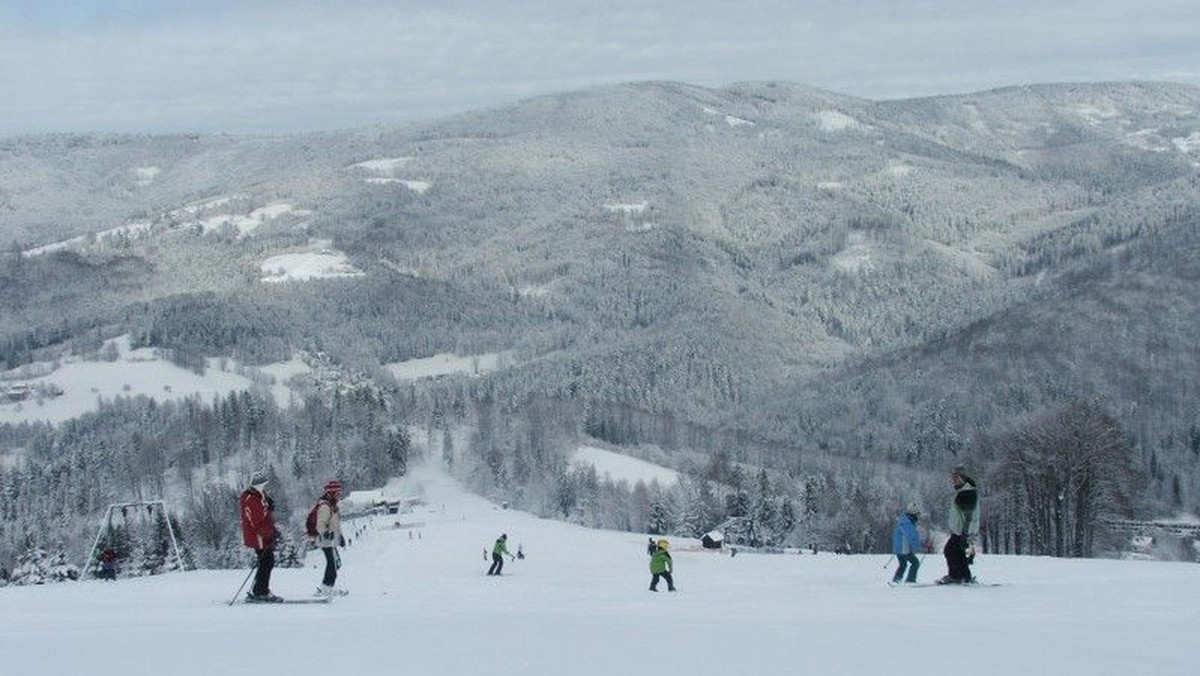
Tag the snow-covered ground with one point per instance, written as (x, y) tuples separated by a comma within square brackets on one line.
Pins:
[(248, 223), (385, 166), (579, 605), (446, 364), (385, 171), (306, 265), (618, 467), (134, 372)]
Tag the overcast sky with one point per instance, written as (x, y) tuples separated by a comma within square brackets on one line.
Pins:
[(288, 65)]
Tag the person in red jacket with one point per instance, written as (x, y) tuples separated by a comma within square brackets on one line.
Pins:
[(259, 533)]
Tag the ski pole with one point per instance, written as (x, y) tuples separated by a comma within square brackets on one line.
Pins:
[(239, 591)]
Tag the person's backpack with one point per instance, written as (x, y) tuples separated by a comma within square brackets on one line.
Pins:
[(310, 524)]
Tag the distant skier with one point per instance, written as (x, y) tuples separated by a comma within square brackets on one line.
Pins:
[(329, 537), (662, 566), (500, 550), (905, 543), (964, 523), (259, 534), (650, 547)]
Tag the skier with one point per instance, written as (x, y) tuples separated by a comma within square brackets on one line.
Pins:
[(499, 550), (329, 536), (662, 566), (650, 547), (905, 542), (964, 523), (259, 534)]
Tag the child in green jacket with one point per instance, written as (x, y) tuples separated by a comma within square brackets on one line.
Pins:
[(661, 566), (499, 550)]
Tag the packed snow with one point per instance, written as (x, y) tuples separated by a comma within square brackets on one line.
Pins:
[(306, 265), (81, 383), (446, 364), (619, 467), (578, 604)]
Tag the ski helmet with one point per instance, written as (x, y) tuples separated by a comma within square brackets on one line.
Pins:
[(663, 544)]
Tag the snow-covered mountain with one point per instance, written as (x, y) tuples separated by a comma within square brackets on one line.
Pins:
[(804, 280), (578, 603)]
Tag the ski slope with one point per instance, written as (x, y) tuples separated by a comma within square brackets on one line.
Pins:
[(579, 605)]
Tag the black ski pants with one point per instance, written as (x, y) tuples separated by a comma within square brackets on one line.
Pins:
[(497, 564), (330, 566), (957, 567), (262, 574), (666, 575), (909, 561)]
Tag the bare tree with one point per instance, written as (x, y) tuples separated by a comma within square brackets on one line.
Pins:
[(1055, 478)]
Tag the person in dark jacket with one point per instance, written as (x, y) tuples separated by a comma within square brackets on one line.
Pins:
[(662, 566), (259, 534), (499, 551), (906, 540), (109, 566), (963, 525)]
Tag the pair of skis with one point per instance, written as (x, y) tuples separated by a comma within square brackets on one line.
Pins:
[(941, 584), (250, 599), (282, 601)]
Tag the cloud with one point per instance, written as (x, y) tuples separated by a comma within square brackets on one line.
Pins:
[(179, 65)]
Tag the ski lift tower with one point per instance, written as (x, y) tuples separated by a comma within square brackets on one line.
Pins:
[(136, 507)]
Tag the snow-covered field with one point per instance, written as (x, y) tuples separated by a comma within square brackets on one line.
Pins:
[(446, 364), (131, 373), (618, 467), (248, 223), (306, 265), (579, 605)]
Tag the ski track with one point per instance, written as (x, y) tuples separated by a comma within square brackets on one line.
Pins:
[(578, 604)]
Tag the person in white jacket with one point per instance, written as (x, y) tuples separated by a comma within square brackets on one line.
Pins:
[(329, 536)]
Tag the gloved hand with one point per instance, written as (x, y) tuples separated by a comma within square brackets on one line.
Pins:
[(327, 536), (341, 541)]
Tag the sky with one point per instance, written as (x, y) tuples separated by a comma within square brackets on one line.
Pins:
[(278, 66)]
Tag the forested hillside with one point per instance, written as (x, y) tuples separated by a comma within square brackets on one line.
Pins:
[(805, 301)]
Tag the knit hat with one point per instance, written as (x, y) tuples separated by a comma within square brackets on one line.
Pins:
[(259, 478), (334, 487), (913, 509)]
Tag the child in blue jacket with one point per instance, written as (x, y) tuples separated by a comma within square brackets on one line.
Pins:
[(906, 541)]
